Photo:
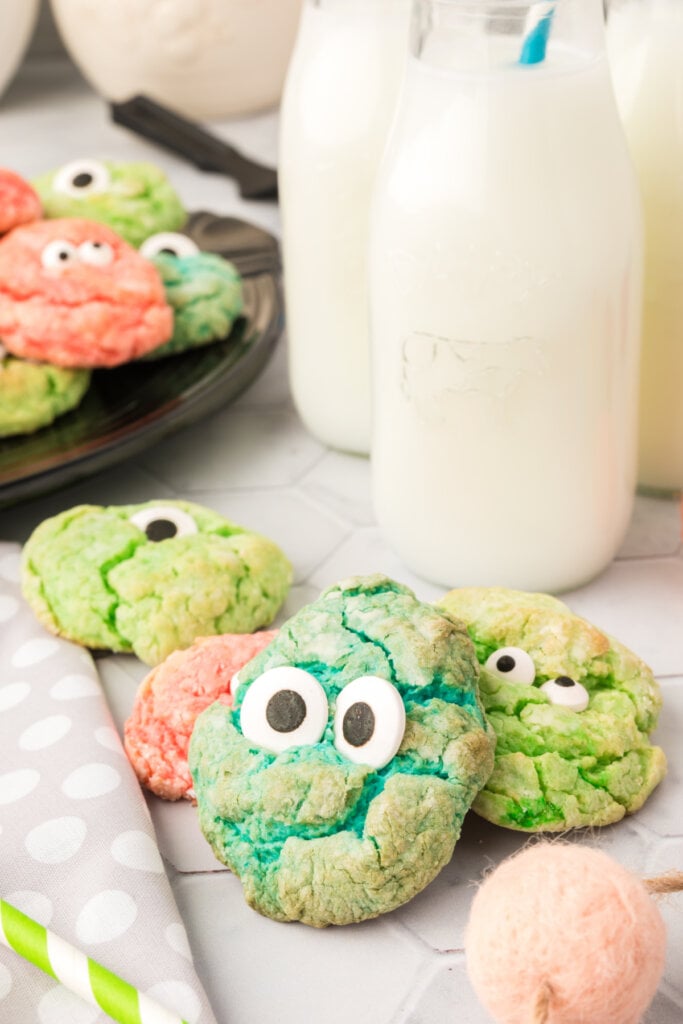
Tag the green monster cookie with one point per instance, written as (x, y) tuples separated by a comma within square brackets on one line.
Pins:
[(572, 710), (150, 578), (33, 395), (336, 786), (135, 199), (203, 289)]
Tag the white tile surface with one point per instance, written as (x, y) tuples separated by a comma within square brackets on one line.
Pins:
[(305, 530), (258, 970), (256, 462), (237, 448), (640, 601), (655, 528), (342, 482), (367, 551)]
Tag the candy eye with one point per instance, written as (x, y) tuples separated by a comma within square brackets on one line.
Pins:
[(58, 254), (511, 664), (163, 521), (369, 721), (170, 243), (81, 178), (567, 693), (285, 707), (97, 254)]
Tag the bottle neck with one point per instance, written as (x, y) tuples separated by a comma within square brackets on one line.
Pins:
[(483, 35)]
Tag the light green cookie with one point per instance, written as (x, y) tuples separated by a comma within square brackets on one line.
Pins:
[(205, 293), (134, 199), (33, 395), (150, 578), (337, 785), (572, 709)]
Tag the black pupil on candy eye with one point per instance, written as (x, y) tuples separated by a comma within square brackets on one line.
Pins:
[(505, 663), (285, 711), (160, 529), (359, 724), (63, 254), (168, 251), (565, 681), (82, 180)]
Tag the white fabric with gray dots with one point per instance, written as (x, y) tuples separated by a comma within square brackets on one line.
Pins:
[(77, 847)]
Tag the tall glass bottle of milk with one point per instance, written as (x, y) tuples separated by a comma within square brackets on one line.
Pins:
[(506, 289), (339, 99), (645, 43)]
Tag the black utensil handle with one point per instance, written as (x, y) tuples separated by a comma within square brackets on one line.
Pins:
[(157, 123)]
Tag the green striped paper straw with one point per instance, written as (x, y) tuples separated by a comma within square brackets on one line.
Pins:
[(77, 972)]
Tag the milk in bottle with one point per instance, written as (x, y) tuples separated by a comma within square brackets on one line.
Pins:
[(505, 297), (338, 102), (645, 44)]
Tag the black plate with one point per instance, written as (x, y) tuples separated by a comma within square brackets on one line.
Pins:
[(129, 408)]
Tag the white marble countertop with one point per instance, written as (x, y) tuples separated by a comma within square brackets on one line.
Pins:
[(255, 462)]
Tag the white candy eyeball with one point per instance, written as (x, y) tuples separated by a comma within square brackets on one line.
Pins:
[(58, 254), (369, 721), (170, 242), (285, 707), (97, 254), (511, 664), (164, 521), (567, 693), (81, 178)]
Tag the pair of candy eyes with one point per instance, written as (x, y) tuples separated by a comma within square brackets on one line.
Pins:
[(61, 253), (515, 666), (287, 707)]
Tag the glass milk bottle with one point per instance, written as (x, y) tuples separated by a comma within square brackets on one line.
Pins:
[(338, 102), (645, 43), (505, 282)]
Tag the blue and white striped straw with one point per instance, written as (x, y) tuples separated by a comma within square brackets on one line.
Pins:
[(536, 32), (77, 972)]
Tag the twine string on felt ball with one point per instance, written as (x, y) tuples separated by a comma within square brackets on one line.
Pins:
[(542, 1004), (661, 885), (672, 881)]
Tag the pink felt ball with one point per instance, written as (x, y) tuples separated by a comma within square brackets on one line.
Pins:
[(570, 922)]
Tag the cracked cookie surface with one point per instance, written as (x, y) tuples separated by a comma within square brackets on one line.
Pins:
[(135, 198), (558, 768), (167, 703), (322, 831), (74, 294), (32, 395), (150, 578), (205, 293), (19, 203)]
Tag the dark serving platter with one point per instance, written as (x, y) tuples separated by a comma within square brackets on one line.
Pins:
[(129, 408)]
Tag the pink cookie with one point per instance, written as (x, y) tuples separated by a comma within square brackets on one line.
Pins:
[(19, 204), (157, 734), (74, 294)]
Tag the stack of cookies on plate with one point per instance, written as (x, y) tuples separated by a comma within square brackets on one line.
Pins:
[(93, 274)]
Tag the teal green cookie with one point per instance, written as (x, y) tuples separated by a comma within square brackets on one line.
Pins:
[(150, 578), (33, 395), (205, 293), (572, 709), (336, 786), (134, 199)]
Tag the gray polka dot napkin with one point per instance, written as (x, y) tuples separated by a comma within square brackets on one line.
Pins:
[(77, 847)]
